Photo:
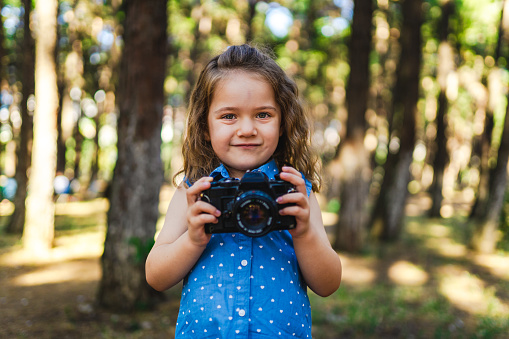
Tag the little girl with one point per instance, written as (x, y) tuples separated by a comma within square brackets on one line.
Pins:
[(244, 114)]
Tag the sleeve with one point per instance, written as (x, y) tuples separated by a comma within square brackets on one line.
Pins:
[(309, 185)]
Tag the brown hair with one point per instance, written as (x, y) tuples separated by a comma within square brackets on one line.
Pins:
[(294, 147)]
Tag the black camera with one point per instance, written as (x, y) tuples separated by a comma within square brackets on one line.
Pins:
[(249, 205)]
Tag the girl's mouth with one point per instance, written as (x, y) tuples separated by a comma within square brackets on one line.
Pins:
[(246, 146)]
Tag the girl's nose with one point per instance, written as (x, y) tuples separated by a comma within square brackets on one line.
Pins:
[(246, 128)]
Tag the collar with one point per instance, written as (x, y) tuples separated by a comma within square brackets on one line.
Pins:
[(270, 169)]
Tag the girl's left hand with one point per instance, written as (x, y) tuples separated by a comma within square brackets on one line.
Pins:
[(301, 209)]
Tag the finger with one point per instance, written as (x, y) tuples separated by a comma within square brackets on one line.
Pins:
[(294, 177), (199, 186), (290, 169), (202, 207), (296, 198), (202, 219), (296, 211)]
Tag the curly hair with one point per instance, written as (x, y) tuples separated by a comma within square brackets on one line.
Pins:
[(294, 147)]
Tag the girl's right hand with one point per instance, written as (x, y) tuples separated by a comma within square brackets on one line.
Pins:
[(200, 213)]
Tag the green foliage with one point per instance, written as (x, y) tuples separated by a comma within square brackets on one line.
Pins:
[(333, 206), (72, 224), (478, 31), (314, 52), (492, 327), (142, 248), (13, 3), (504, 226)]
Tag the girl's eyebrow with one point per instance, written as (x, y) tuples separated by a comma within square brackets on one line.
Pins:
[(232, 108), (224, 109), (269, 107)]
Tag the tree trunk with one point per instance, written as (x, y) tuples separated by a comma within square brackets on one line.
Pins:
[(39, 228), (3, 75), (307, 35), (61, 86), (388, 214), (17, 220), (482, 150), (479, 209), (441, 157), (487, 219), (196, 49), (354, 159), (251, 12), (78, 140), (3, 72), (485, 237), (61, 148), (138, 173), (94, 175), (445, 68)]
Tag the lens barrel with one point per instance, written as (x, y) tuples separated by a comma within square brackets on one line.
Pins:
[(255, 213)]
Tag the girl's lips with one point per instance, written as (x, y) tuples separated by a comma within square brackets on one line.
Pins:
[(246, 145)]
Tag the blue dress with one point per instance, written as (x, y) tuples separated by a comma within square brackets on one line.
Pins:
[(243, 287)]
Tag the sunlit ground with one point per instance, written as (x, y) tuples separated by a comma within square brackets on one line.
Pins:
[(429, 284)]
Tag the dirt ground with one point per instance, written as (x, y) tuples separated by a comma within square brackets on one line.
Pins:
[(66, 309), (54, 296)]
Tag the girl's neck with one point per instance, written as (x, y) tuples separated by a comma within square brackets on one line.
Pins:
[(238, 174), (234, 173)]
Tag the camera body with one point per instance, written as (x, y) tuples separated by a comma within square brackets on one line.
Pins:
[(249, 205)]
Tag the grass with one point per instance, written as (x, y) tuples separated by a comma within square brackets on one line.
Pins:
[(380, 311), (426, 285)]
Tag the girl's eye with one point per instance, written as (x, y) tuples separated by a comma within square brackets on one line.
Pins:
[(228, 116), (263, 115)]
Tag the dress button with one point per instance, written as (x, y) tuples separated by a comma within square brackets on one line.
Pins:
[(244, 262), (242, 313)]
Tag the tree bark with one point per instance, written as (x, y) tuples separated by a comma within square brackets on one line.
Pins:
[(39, 228), (3, 72), (94, 175), (388, 214), (17, 220), (354, 159), (3, 75), (251, 12), (479, 209), (487, 218), (60, 139), (138, 173), (445, 68), (485, 238), (481, 148)]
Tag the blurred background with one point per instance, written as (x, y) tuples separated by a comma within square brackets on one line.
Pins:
[(408, 101)]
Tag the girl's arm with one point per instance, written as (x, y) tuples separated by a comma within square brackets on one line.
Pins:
[(182, 238), (319, 263)]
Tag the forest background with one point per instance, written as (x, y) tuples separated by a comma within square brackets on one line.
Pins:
[(408, 100)]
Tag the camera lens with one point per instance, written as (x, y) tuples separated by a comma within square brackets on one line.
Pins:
[(254, 212), (254, 215)]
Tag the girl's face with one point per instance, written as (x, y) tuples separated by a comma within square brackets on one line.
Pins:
[(244, 122)]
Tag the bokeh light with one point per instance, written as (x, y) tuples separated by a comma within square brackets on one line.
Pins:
[(279, 19)]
